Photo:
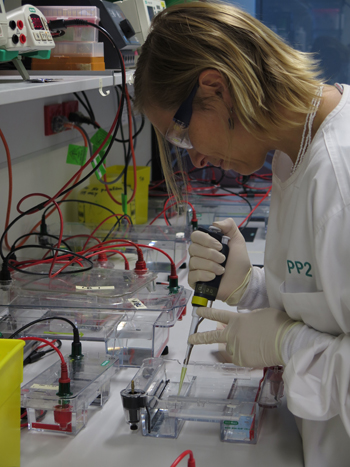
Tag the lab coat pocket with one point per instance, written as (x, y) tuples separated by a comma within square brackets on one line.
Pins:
[(310, 308)]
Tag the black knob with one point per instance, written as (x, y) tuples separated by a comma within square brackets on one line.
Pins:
[(127, 29), (15, 39), (12, 24)]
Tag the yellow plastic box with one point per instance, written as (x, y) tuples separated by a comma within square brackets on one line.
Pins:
[(96, 192), (143, 174), (11, 377)]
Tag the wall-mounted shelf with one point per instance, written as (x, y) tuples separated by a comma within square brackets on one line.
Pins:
[(22, 107), (13, 89)]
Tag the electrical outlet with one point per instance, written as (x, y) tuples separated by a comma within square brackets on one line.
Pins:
[(58, 110), (69, 107), (51, 111)]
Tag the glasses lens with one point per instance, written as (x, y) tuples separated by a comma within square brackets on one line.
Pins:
[(177, 135)]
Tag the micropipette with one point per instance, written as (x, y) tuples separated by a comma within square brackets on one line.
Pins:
[(204, 292)]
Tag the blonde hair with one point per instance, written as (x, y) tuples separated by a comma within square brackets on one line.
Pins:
[(262, 72)]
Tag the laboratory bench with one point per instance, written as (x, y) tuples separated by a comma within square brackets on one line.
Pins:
[(108, 441)]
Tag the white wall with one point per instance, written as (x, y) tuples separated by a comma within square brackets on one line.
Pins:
[(46, 171)]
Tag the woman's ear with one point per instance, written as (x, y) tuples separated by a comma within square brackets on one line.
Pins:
[(213, 84)]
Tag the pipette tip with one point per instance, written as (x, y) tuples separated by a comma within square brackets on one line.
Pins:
[(182, 377)]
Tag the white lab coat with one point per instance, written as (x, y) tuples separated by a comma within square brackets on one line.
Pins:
[(307, 274)]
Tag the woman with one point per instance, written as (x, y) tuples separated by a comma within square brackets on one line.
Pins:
[(217, 82)]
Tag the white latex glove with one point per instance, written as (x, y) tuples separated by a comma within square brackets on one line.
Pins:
[(252, 339), (205, 262)]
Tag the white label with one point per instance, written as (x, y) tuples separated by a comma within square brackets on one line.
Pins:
[(97, 287), (136, 303), (45, 386)]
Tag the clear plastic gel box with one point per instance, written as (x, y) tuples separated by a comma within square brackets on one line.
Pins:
[(173, 240), (135, 328), (145, 330), (90, 385), (95, 288), (222, 393)]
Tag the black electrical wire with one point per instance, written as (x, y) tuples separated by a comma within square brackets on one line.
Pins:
[(91, 112), (244, 199), (165, 212), (235, 178), (123, 75), (59, 24), (77, 201), (39, 354), (218, 182), (87, 139), (58, 34), (76, 337), (51, 248), (84, 105), (127, 155), (13, 248), (126, 216), (138, 131), (231, 192), (127, 152)]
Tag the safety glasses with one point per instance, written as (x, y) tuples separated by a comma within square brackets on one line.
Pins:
[(177, 133)]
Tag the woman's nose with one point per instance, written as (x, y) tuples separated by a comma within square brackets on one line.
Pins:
[(197, 159)]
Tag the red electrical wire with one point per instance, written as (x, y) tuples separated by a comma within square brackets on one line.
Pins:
[(77, 175), (258, 195), (31, 262), (24, 425), (194, 216), (127, 266), (101, 223), (47, 343), (191, 461), (61, 224), (122, 243), (93, 155), (49, 213), (82, 235), (158, 215), (253, 187), (185, 201), (71, 125), (64, 378), (152, 187), (132, 154), (172, 263), (255, 207), (116, 243), (9, 201), (165, 208)]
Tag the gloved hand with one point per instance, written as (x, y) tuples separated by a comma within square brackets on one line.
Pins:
[(205, 262), (253, 339)]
